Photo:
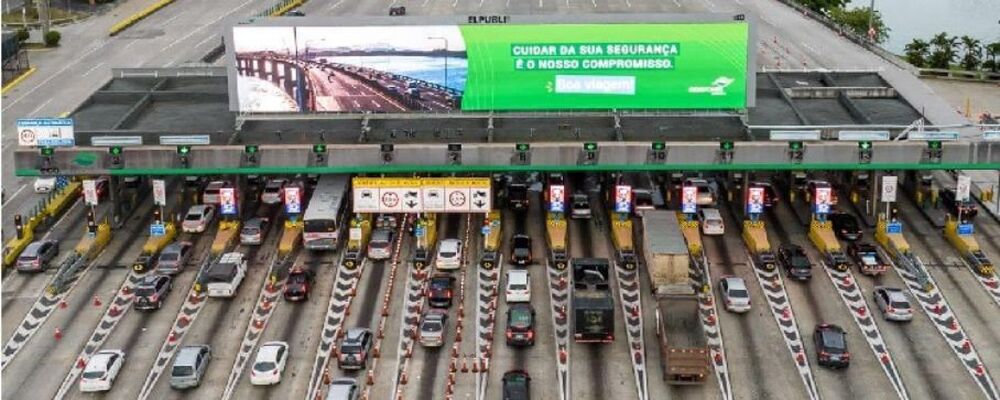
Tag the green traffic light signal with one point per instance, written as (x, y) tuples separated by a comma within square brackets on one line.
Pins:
[(183, 150), (319, 148), (522, 147), (865, 145), (115, 150), (251, 149), (659, 146), (934, 144), (590, 146), (795, 146), (47, 151), (726, 145)]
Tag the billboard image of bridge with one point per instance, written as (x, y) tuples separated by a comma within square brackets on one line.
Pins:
[(504, 67)]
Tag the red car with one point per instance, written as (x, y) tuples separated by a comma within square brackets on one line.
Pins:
[(298, 285)]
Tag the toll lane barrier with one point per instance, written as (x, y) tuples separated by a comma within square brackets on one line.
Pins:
[(282, 9), (135, 18)]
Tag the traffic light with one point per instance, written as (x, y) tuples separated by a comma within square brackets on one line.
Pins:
[(387, 152), (319, 154), (865, 152), (454, 153), (658, 152), (184, 153), (45, 160), (250, 153), (522, 154), (726, 151), (934, 151), (91, 222), (589, 153), (795, 152), (115, 152), (157, 218), (18, 226)]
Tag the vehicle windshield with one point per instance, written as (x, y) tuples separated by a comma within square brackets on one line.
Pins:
[(522, 242), (93, 374), (182, 370), (643, 199), (263, 366), (27, 258), (251, 230), (520, 318), (518, 286), (738, 293), (431, 326), (297, 278), (440, 283), (447, 254), (272, 188), (320, 225), (350, 348), (767, 257), (193, 217), (899, 304), (869, 259), (379, 244), (145, 290), (834, 341), (800, 261)]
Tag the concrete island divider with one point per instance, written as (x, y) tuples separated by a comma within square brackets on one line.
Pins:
[(139, 16)]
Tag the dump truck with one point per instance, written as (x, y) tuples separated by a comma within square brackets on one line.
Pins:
[(592, 302), (683, 346)]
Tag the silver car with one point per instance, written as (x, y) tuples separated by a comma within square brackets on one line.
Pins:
[(432, 328), (173, 257), (253, 231), (37, 256), (893, 303), (735, 295), (190, 366)]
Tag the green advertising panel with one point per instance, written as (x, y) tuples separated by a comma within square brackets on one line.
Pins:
[(622, 66), (502, 67)]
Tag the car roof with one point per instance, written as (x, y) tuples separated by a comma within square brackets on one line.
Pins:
[(188, 355), (269, 351), (519, 275), (521, 307), (173, 247), (255, 221), (197, 208), (150, 279), (355, 333), (895, 293), (34, 246), (735, 282), (449, 244), (216, 184), (100, 360)]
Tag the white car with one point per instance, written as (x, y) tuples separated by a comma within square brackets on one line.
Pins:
[(45, 184), (449, 254), (269, 364), (101, 371), (212, 191), (518, 286), (735, 295), (711, 221), (198, 218), (272, 191)]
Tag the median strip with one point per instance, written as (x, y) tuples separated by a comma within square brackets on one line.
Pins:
[(135, 18), (24, 75)]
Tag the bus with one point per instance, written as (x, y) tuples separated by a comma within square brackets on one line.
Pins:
[(326, 212)]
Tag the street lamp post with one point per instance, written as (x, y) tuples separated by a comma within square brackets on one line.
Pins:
[(445, 58), (871, 20)]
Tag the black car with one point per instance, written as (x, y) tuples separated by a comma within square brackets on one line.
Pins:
[(794, 258), (831, 346), (516, 385), (299, 282), (143, 263), (520, 250), (520, 325), (440, 290), (397, 11), (953, 206), (846, 226), (355, 348), (151, 292)]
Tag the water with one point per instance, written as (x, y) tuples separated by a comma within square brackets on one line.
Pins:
[(910, 19), (430, 69)]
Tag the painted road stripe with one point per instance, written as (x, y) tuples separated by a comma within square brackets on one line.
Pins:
[(631, 302), (559, 296), (709, 311)]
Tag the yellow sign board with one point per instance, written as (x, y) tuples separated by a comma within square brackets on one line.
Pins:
[(384, 183)]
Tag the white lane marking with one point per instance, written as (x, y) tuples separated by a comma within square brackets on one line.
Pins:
[(810, 48), (428, 1), (92, 69), (710, 4), (677, 3), (171, 19), (455, 4), (539, 3), (594, 2), (63, 69), (335, 5), (182, 38), (130, 44), (39, 108), (24, 185), (203, 41), (508, 3)]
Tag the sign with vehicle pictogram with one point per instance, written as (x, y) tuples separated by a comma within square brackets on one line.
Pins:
[(417, 195), (366, 200), (45, 132)]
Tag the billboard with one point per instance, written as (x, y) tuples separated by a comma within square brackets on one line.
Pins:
[(755, 200), (530, 66), (689, 199), (823, 200)]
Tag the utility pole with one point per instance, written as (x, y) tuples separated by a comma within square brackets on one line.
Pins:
[(871, 19), (43, 16)]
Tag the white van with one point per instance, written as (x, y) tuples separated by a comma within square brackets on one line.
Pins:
[(225, 276), (711, 221)]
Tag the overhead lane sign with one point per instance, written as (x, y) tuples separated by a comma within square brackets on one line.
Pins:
[(45, 132), (417, 195)]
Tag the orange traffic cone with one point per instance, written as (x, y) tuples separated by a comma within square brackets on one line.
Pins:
[(97, 301), (465, 364), (475, 365), (58, 334)]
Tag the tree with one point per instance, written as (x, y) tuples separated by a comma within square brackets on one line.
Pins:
[(944, 50), (916, 53), (21, 35), (992, 51), (52, 38), (823, 6), (856, 19), (973, 56)]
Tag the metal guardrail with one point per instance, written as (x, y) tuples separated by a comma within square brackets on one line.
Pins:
[(67, 272)]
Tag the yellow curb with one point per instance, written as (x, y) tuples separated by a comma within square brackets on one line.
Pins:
[(23, 76), (132, 20)]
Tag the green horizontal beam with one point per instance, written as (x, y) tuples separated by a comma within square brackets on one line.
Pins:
[(400, 169)]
